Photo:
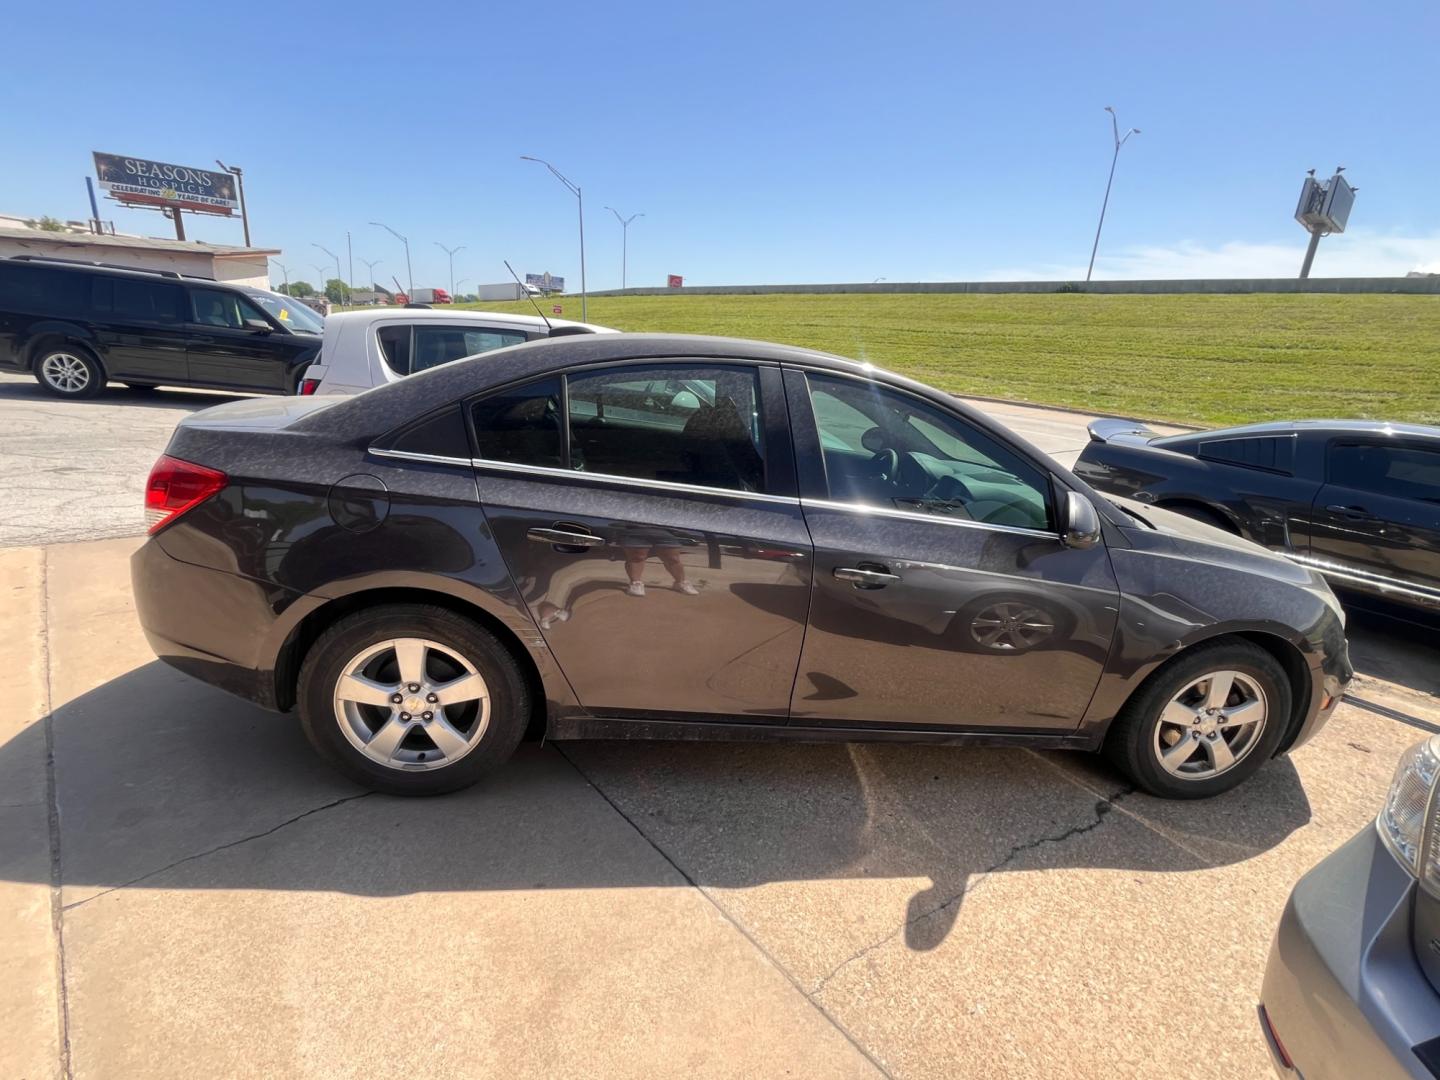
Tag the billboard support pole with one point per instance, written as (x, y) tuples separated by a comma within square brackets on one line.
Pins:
[(94, 206), (1310, 253), (179, 224)]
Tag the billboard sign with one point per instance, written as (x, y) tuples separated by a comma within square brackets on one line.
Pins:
[(546, 282), (674, 281), (141, 182)]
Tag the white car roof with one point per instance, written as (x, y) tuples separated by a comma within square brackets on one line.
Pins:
[(490, 318)]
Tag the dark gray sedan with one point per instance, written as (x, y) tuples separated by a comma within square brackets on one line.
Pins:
[(632, 536), (1352, 988)]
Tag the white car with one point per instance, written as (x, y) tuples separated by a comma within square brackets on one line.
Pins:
[(362, 349)]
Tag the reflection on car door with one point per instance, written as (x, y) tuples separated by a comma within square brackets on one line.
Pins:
[(226, 352), (140, 325), (1376, 522), (665, 560), (943, 597)]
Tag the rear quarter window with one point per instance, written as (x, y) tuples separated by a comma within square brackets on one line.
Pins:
[(42, 289), (1272, 453)]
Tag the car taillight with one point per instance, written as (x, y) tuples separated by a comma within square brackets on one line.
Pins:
[(175, 487), (308, 386)]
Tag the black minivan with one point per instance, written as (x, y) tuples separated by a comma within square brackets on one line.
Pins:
[(78, 325)]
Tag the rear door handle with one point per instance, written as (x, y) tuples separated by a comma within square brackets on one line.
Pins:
[(865, 577), (564, 537), (1352, 513)]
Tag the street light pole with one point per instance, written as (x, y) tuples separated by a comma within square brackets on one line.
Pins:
[(239, 175), (624, 240), (409, 274), (349, 258), (580, 200), (370, 271), (451, 253), (285, 270), (1119, 142), (344, 288)]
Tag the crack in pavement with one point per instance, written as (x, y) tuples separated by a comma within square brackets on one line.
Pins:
[(1103, 806), (221, 847)]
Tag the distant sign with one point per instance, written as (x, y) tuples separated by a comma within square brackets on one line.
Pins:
[(557, 310), (139, 181), (675, 281), (545, 282)]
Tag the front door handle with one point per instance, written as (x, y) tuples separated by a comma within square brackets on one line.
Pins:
[(564, 537), (866, 577), (1351, 513)]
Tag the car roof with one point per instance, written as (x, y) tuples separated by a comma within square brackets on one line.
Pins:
[(1295, 427), (529, 322)]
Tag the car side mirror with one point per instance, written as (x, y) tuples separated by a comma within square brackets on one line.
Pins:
[(258, 326), (1082, 524)]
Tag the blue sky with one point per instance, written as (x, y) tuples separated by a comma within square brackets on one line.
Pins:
[(764, 142)]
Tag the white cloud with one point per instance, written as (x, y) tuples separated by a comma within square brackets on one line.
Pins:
[(1353, 254)]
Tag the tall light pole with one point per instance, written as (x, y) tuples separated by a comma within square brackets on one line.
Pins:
[(451, 253), (344, 288), (1119, 142), (624, 239), (285, 270), (350, 259), (580, 199), (456, 294), (370, 265), (239, 175), (409, 274)]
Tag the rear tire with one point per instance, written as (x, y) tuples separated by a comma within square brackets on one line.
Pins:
[(69, 371), (412, 699), (1230, 724)]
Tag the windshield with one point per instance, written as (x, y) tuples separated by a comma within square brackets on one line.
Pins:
[(292, 313)]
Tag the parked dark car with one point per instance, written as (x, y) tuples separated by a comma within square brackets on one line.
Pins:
[(1352, 987), (1358, 500), (647, 536), (77, 326)]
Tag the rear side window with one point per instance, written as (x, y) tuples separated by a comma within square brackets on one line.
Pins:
[(1402, 472), (1269, 452), (395, 347), (29, 288), (441, 435), (436, 345), (682, 424), (521, 426), (138, 300)]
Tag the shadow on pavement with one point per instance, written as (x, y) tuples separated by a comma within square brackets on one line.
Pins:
[(114, 394), (1396, 645), (169, 784)]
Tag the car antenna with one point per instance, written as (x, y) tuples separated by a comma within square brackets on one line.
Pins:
[(528, 294)]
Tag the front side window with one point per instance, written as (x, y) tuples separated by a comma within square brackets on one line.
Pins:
[(521, 426), (885, 448), (682, 424), (1401, 472), (216, 307)]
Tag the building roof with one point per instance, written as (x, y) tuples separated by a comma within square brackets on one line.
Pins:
[(137, 243)]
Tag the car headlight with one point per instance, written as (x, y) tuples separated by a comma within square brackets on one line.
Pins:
[(1410, 806)]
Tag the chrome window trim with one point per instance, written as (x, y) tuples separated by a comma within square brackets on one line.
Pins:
[(412, 455), (931, 519), (633, 481)]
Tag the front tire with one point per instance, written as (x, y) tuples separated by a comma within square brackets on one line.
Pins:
[(69, 371), (1203, 722), (411, 699)]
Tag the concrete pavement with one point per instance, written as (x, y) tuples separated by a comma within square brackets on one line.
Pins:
[(188, 891)]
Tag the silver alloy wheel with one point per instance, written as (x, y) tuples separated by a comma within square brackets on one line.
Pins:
[(1210, 725), (65, 372), (1011, 626), (412, 704)]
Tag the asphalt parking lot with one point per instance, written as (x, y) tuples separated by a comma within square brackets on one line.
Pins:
[(188, 891)]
